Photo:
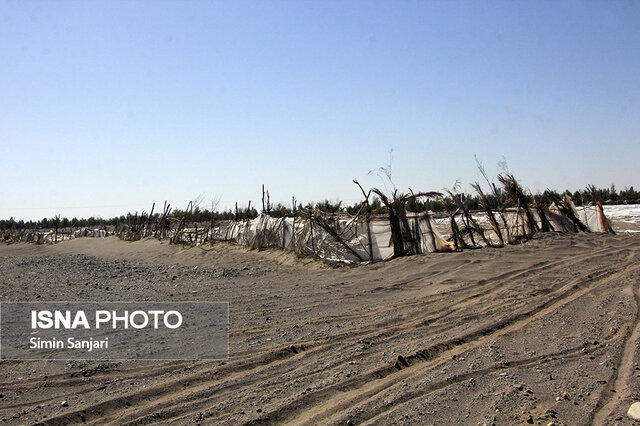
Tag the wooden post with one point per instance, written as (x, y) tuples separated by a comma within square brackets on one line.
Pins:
[(293, 230), (313, 243)]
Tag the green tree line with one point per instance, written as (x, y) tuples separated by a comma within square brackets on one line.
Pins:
[(586, 196)]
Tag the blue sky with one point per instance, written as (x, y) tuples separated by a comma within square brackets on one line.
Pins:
[(108, 106)]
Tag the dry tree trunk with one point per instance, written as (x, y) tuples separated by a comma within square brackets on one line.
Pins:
[(501, 210), (469, 222), (56, 221), (211, 224), (470, 225), (400, 231), (176, 238), (458, 239), (513, 188), (567, 211), (313, 243), (293, 231), (546, 226), (159, 228), (322, 222), (147, 225), (499, 204), (431, 231), (489, 212), (367, 217)]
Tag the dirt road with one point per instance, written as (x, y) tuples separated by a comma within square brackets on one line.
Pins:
[(541, 332)]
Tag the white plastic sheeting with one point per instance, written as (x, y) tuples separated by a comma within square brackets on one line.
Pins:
[(335, 238), (355, 239), (51, 237), (593, 218), (87, 232)]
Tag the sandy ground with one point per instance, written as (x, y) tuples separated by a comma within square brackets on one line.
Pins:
[(538, 333)]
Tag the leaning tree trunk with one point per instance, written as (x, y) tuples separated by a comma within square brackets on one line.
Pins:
[(396, 230), (398, 217)]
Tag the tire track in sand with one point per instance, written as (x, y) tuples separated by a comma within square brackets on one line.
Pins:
[(177, 403), (331, 401), (613, 396), (148, 399)]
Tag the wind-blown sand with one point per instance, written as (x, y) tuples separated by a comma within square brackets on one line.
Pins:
[(540, 332)]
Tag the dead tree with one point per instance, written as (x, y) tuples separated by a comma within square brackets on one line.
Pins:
[(499, 199), (177, 236), (293, 230), (397, 214), (566, 209), (513, 188), (266, 201), (545, 225), (147, 225), (469, 222), (367, 216), (162, 224), (488, 208), (313, 243), (56, 224), (458, 240)]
